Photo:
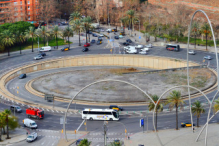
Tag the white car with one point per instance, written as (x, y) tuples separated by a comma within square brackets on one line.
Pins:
[(31, 137), (38, 57), (101, 35), (129, 48), (143, 52), (139, 46), (191, 52), (109, 30), (132, 51), (145, 49), (149, 46)]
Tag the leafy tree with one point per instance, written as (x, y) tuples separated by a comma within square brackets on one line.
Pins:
[(216, 105), (195, 29), (13, 122), (55, 32), (197, 109), (84, 142), (206, 30), (7, 39), (153, 32), (69, 32), (30, 33), (175, 100), (6, 113), (77, 27), (115, 144), (19, 38), (159, 107)]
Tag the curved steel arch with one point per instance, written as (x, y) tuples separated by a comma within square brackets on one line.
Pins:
[(188, 68), (96, 83), (162, 97)]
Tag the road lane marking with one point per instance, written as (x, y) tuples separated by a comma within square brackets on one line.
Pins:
[(81, 125)]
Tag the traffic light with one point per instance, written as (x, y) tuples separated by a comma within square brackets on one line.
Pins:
[(141, 122)]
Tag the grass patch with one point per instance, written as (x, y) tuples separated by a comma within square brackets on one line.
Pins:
[(28, 44)]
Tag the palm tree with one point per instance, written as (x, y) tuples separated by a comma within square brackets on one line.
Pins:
[(7, 39), (124, 21), (62, 34), (206, 30), (159, 107), (195, 30), (69, 32), (30, 33), (55, 32), (6, 113), (216, 105), (86, 23), (2, 121), (19, 38), (77, 27), (75, 15), (175, 100), (84, 142), (44, 33), (131, 18), (197, 109)]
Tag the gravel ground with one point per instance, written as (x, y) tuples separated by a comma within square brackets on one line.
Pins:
[(67, 84)]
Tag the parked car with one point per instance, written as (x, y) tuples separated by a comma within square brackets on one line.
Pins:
[(99, 42), (38, 57), (86, 45), (31, 137), (143, 52), (116, 107), (100, 38), (101, 35), (125, 44), (129, 40), (85, 49), (22, 76), (208, 57), (116, 37), (191, 52), (15, 108), (120, 36), (187, 124), (93, 41), (65, 49), (42, 53), (139, 46)]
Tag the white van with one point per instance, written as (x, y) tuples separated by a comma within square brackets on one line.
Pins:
[(145, 49), (29, 123), (31, 137), (46, 48)]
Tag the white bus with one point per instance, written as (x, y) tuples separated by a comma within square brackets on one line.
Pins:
[(100, 114)]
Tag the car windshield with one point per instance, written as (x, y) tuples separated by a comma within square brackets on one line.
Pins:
[(33, 124), (116, 114), (18, 107), (30, 136)]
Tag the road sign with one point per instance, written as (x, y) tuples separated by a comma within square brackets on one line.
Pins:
[(141, 122), (139, 37)]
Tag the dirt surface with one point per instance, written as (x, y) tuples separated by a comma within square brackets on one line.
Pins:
[(67, 84)]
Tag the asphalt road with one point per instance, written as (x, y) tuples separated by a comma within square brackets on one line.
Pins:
[(131, 122)]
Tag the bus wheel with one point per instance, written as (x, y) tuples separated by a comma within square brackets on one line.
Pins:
[(111, 119), (91, 119)]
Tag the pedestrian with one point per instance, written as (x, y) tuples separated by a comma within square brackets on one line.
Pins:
[(54, 48), (135, 34), (27, 133), (193, 129)]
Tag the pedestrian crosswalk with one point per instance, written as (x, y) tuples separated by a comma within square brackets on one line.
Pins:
[(99, 133)]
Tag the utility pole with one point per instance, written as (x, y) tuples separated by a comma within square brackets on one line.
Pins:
[(105, 130)]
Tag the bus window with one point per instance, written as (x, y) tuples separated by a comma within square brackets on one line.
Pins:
[(115, 114)]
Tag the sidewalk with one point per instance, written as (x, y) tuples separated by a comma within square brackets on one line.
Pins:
[(17, 135), (171, 137)]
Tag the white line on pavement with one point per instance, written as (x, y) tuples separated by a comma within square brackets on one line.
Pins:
[(81, 124)]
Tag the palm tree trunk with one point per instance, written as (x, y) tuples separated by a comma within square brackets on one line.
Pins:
[(79, 39), (0, 134), (7, 128), (197, 121), (86, 35), (3, 128), (56, 41), (68, 43), (20, 47), (44, 40), (206, 41), (195, 41), (8, 51), (156, 121), (176, 117), (32, 44)]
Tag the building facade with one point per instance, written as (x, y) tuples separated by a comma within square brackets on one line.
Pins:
[(18, 10)]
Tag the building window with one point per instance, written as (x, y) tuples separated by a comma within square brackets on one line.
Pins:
[(28, 17), (15, 3), (21, 8), (29, 13), (28, 7), (28, 2), (20, 3)]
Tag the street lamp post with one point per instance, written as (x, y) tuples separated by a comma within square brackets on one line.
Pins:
[(139, 29)]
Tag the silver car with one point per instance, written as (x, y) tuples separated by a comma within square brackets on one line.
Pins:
[(143, 52), (208, 57), (191, 52), (139, 46), (38, 57)]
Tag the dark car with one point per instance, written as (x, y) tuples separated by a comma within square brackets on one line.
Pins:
[(116, 107), (89, 32), (22, 76), (78, 141), (15, 108), (125, 43), (93, 41), (99, 42), (65, 49), (85, 50), (64, 23), (95, 35), (42, 53), (100, 39), (129, 40), (116, 37), (187, 124)]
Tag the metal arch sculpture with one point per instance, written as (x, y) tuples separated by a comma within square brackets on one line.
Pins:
[(96, 83), (162, 97), (188, 68)]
